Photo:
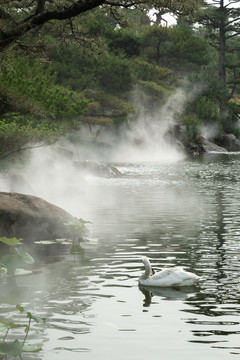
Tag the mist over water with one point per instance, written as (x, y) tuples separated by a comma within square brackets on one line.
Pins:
[(149, 138), (176, 212), (183, 213), (52, 172)]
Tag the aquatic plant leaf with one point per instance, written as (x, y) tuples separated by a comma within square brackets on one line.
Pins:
[(27, 328), (32, 347), (2, 270), (20, 308), (45, 242), (26, 257), (84, 221), (30, 315), (5, 325), (21, 271), (64, 241), (77, 223), (76, 249), (36, 318), (10, 241), (11, 348), (11, 262)]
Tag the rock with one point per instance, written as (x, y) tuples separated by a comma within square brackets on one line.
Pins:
[(64, 153), (98, 169), (210, 146), (31, 218), (194, 149), (230, 142)]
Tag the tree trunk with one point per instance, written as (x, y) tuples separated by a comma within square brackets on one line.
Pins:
[(222, 45)]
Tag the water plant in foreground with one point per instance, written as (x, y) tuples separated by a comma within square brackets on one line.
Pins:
[(17, 347), (78, 230), (12, 262)]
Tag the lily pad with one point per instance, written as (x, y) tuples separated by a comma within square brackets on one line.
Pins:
[(64, 241), (11, 348), (32, 347), (21, 271), (5, 325), (45, 242)]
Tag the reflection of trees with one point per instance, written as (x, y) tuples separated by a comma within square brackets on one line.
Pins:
[(217, 289), (219, 232), (204, 299)]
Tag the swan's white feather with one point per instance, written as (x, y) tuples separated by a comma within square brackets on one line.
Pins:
[(175, 276)]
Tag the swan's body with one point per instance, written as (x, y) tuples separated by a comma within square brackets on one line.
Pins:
[(175, 276)]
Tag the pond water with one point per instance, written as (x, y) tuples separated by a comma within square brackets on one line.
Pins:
[(185, 213)]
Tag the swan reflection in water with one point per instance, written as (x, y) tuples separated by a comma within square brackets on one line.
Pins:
[(166, 293)]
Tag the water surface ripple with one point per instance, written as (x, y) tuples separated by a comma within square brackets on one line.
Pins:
[(185, 214)]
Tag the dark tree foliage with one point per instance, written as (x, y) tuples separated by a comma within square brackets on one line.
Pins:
[(19, 17), (221, 21)]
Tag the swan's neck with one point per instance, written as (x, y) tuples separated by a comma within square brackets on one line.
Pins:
[(148, 269)]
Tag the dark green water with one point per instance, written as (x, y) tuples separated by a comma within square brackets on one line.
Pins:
[(185, 213)]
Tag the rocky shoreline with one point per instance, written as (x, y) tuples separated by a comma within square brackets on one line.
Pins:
[(229, 143), (32, 218)]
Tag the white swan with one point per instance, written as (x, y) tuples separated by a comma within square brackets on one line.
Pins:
[(175, 276)]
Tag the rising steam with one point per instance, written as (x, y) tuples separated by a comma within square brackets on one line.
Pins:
[(53, 175), (150, 137)]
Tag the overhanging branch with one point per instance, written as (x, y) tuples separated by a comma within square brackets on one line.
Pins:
[(42, 17)]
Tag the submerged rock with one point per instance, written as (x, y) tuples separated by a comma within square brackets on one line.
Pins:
[(97, 169), (31, 218)]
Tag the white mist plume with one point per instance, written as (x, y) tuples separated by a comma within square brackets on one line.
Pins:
[(209, 132), (55, 177), (148, 138)]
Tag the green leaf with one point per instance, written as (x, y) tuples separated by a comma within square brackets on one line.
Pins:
[(10, 241), (11, 348), (21, 271), (2, 270), (21, 309), (32, 347), (5, 325), (36, 318), (31, 316), (27, 328), (84, 221), (26, 257), (11, 262)]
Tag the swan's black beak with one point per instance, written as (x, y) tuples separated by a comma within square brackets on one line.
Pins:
[(153, 271)]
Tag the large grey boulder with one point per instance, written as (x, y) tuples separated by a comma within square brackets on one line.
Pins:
[(209, 146), (31, 218), (230, 142)]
